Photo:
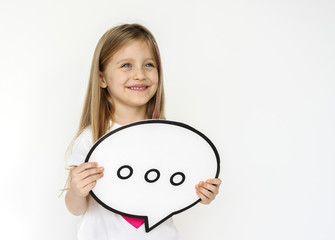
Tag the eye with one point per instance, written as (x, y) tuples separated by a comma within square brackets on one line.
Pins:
[(126, 65), (150, 65)]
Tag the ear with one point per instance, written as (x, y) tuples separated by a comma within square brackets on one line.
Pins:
[(102, 80)]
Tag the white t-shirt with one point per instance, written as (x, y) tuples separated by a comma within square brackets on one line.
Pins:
[(98, 223)]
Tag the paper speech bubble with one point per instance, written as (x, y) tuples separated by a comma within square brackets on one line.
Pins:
[(151, 169)]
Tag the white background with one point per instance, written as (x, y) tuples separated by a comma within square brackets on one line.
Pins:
[(256, 76)]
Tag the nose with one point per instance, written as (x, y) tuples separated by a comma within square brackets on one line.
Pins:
[(138, 74)]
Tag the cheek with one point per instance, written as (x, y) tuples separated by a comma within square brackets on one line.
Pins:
[(154, 78), (155, 83), (116, 81), (111, 87)]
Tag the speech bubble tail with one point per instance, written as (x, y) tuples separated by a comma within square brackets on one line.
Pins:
[(150, 222), (153, 221)]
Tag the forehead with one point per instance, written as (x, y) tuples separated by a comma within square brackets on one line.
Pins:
[(134, 49)]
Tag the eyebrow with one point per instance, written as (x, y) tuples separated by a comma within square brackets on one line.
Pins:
[(131, 59), (124, 60)]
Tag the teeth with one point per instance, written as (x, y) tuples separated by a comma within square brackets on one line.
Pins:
[(137, 88)]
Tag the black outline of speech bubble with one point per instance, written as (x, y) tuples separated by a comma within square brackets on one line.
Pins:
[(155, 121)]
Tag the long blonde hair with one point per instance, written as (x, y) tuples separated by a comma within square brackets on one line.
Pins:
[(98, 107)]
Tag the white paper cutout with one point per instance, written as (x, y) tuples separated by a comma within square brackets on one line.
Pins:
[(151, 168)]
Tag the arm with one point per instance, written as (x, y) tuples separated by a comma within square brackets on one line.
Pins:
[(82, 180), (208, 190)]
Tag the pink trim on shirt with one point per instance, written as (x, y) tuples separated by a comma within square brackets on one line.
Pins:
[(136, 222)]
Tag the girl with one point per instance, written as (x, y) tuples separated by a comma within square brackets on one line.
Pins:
[(125, 86)]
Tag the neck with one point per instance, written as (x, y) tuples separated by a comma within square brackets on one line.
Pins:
[(129, 115)]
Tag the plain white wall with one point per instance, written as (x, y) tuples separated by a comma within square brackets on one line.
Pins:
[(256, 76)]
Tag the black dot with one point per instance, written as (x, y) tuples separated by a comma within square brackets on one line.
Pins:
[(177, 182), (125, 175), (157, 175)]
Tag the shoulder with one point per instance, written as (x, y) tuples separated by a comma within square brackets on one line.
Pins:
[(81, 146), (85, 135), (84, 140)]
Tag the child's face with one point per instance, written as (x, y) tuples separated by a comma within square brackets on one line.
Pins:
[(131, 76)]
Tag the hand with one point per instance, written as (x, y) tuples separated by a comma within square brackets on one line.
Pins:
[(84, 178), (208, 190)]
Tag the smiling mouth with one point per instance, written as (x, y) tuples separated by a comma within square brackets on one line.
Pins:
[(138, 88)]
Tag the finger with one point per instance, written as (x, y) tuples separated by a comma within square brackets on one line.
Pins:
[(208, 194), (83, 187), (85, 191), (214, 181), (210, 187), (82, 167), (204, 199), (89, 172), (91, 179), (89, 187), (81, 180)]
